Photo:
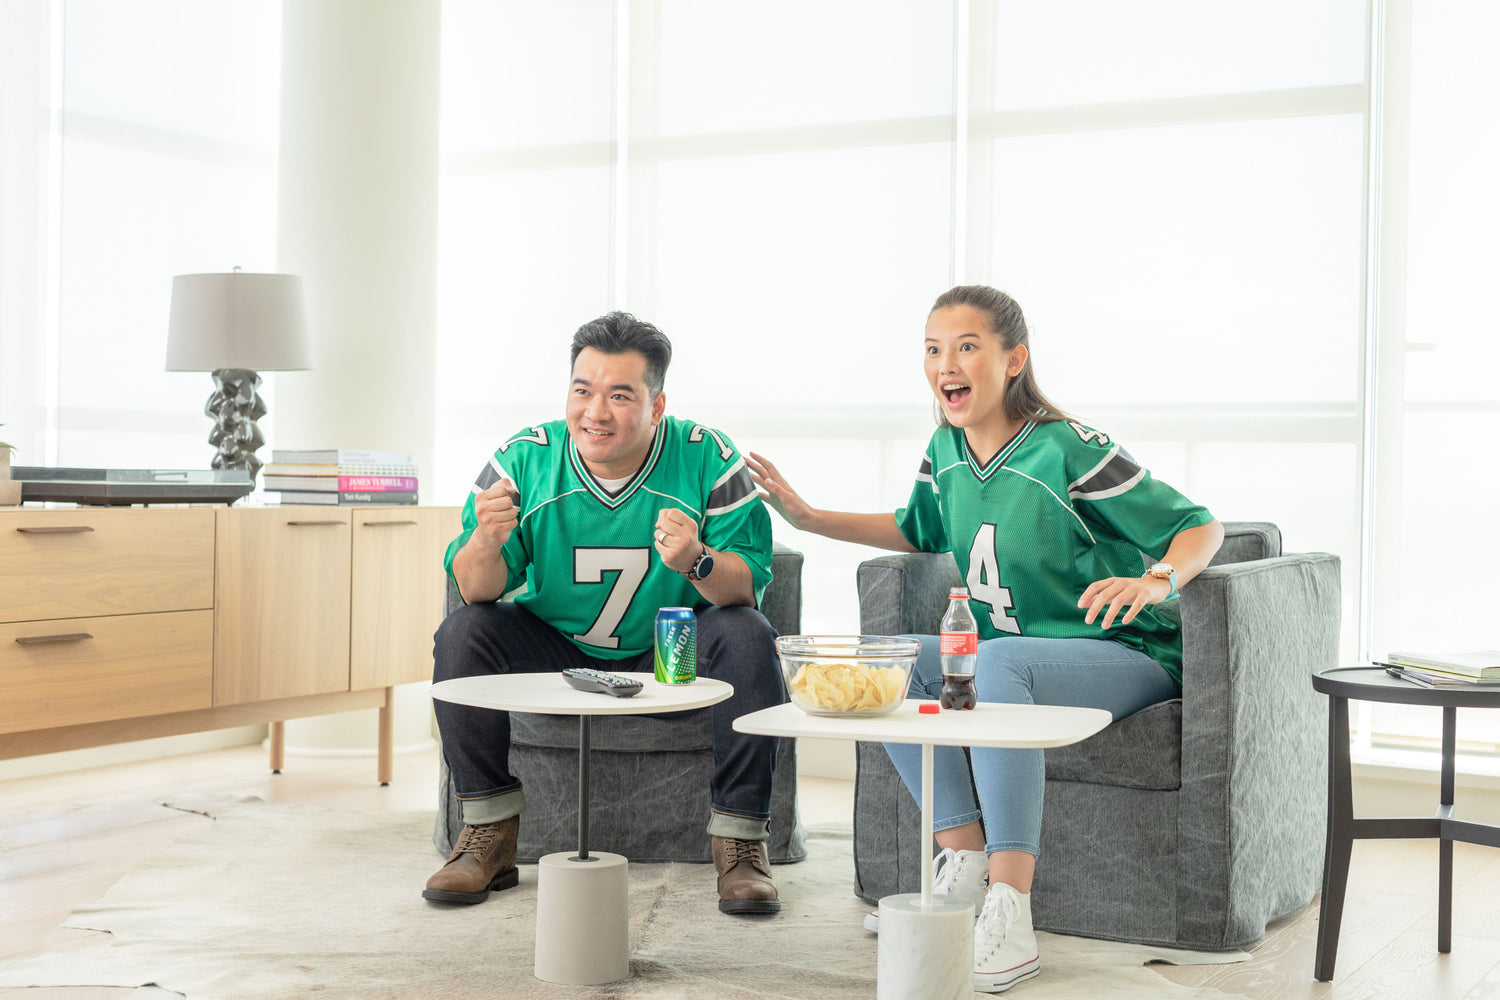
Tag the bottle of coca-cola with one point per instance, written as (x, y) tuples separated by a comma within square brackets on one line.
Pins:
[(959, 647)]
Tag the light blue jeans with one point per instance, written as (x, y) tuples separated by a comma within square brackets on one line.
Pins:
[(1021, 670)]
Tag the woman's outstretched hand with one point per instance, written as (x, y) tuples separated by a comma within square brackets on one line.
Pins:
[(1129, 592), (775, 491)]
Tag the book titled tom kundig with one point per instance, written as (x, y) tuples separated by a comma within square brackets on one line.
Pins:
[(1484, 664)]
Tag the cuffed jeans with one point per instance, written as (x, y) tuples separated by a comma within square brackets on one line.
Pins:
[(1021, 670), (735, 644)]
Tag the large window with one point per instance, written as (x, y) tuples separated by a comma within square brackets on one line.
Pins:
[(526, 214), (1434, 553), (1271, 295), (1174, 192), (151, 152)]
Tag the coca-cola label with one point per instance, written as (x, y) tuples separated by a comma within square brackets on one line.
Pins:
[(958, 643)]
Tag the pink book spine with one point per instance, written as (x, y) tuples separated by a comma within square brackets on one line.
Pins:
[(378, 484)]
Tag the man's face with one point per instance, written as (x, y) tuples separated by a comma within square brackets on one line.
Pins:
[(612, 415)]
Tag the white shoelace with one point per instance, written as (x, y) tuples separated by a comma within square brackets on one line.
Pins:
[(1002, 907), (949, 870), (944, 868)]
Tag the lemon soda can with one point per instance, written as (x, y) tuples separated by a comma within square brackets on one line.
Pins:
[(676, 646)]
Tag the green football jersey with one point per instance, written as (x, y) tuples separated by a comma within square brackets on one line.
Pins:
[(1059, 507), (583, 559)]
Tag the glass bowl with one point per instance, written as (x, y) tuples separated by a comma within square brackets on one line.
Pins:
[(850, 676)]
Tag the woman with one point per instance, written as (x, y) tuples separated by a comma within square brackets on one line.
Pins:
[(1048, 520)]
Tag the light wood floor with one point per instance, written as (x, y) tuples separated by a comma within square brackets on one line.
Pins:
[(64, 839), (1388, 943)]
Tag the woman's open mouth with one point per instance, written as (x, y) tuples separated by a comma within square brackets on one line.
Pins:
[(955, 393)]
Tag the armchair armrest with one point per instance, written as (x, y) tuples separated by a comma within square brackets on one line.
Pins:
[(1252, 634)]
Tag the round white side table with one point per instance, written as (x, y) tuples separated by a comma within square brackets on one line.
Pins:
[(582, 907)]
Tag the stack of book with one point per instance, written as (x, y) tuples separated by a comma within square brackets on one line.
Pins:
[(1481, 669), (342, 476)]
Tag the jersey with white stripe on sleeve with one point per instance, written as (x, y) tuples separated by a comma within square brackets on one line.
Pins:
[(1059, 507), (582, 558)]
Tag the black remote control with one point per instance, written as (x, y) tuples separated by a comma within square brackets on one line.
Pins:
[(600, 682)]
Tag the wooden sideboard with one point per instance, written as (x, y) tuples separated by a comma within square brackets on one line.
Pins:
[(129, 623)]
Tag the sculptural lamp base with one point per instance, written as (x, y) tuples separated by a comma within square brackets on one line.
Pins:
[(235, 406)]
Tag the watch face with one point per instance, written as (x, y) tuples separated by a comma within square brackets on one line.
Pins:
[(704, 566), (1161, 569)]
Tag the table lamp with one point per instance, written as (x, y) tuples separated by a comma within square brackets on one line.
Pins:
[(237, 325)]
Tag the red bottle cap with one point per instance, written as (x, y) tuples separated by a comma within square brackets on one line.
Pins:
[(928, 708)]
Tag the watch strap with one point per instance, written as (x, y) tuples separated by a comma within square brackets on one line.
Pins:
[(692, 573), (1171, 579)]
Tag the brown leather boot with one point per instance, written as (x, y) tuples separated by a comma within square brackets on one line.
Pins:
[(745, 884), (483, 859)]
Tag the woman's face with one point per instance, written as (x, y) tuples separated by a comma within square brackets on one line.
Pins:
[(968, 367)]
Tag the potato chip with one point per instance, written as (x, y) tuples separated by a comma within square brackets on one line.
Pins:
[(848, 687)]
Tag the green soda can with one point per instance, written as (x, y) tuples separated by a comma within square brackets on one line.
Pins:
[(676, 646)]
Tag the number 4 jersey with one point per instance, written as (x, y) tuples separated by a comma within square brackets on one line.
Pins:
[(587, 558), (1059, 507)]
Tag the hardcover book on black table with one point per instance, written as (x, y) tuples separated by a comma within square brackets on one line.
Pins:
[(1438, 679), (1481, 665)]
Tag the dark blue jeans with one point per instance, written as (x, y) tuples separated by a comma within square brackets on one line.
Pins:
[(735, 644)]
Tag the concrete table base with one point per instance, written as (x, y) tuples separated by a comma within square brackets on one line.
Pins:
[(582, 919)]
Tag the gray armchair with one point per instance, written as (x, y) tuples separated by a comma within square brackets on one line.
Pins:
[(649, 776), (1192, 823)]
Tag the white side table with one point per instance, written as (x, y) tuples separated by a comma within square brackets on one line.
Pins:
[(926, 945), (582, 900)]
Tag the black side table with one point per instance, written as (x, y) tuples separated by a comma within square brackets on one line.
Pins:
[(1374, 684)]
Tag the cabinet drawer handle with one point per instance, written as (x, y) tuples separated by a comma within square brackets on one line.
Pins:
[(61, 529), (310, 524), (386, 524), (35, 640)]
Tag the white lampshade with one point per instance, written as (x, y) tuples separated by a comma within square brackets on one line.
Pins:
[(257, 322)]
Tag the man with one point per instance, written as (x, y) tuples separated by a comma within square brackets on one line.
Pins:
[(594, 523)]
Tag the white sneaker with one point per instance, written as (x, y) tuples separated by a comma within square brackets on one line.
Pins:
[(960, 874), (1004, 941)]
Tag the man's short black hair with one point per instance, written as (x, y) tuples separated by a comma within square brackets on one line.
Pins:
[(619, 332)]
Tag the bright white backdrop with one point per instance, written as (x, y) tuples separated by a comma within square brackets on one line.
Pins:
[(1270, 294)]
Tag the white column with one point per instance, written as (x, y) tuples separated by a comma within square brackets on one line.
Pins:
[(358, 220), (25, 200)]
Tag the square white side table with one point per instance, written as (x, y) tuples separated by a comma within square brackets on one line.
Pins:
[(927, 949)]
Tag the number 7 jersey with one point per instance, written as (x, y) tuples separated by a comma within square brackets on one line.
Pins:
[(584, 560), (1059, 507)]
